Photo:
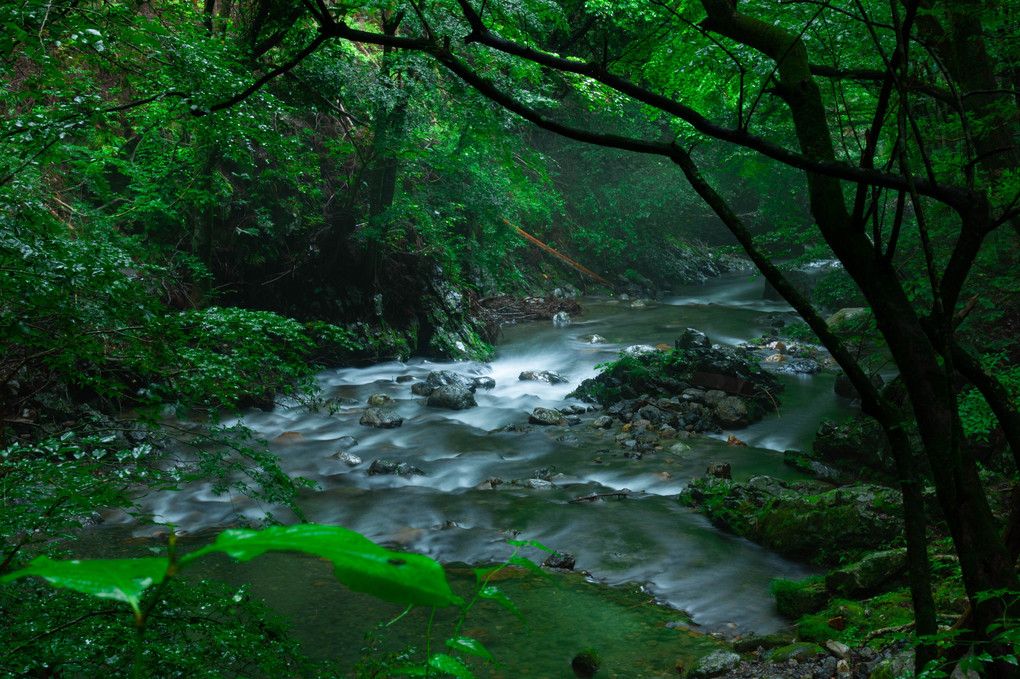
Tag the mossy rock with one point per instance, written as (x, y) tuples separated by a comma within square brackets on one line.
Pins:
[(714, 664), (801, 651), (796, 599), (899, 665), (878, 571), (752, 643), (851, 519)]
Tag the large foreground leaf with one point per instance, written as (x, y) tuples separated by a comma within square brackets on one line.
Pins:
[(358, 562), (119, 579)]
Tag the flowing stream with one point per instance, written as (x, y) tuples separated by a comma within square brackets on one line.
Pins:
[(646, 557)]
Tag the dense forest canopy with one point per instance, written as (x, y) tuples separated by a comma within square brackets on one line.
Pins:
[(181, 181)]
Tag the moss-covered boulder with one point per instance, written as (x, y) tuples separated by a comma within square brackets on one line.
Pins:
[(714, 664), (794, 599), (878, 571), (850, 519), (802, 521), (801, 651)]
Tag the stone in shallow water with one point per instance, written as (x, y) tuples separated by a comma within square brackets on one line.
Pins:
[(545, 417), (542, 376), (638, 350), (441, 378), (452, 397), (346, 442), (380, 467), (560, 560), (349, 459), (381, 419), (377, 400), (484, 383)]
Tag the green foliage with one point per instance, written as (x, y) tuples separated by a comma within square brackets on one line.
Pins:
[(800, 331), (204, 629), (230, 355), (53, 487), (149, 585), (1003, 636), (639, 373), (976, 415), (82, 310), (891, 611)]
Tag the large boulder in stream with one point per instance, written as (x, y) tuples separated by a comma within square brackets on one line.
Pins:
[(847, 452), (452, 397), (442, 378)]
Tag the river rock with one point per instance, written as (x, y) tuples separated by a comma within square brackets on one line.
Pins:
[(542, 376), (798, 366), (638, 350), (546, 417), (720, 471), (562, 561), (484, 383), (441, 378), (348, 458), (452, 397), (714, 664), (692, 338), (379, 400), (381, 419), (534, 484), (593, 339), (561, 319), (838, 649), (346, 442), (731, 412), (289, 438), (380, 467)]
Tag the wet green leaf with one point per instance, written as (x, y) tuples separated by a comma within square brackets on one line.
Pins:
[(450, 665), (495, 594), (358, 562), (471, 647), (119, 579)]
